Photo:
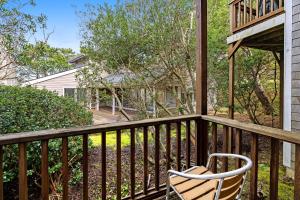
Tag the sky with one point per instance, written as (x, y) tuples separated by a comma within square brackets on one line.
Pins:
[(63, 20)]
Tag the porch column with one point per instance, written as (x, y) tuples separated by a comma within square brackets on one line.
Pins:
[(201, 82), (231, 96), (75, 94), (154, 102), (90, 98), (179, 98), (288, 68), (97, 99), (113, 102)]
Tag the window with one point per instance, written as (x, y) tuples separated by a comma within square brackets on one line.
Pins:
[(69, 92)]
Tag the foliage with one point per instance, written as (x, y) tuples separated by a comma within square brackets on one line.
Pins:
[(218, 30), (42, 60), (30, 109), (15, 25), (256, 72), (285, 187), (147, 40), (136, 38)]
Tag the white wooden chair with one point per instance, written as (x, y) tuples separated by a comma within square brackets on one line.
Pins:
[(201, 184)]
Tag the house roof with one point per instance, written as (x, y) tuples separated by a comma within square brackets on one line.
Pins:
[(39, 80), (76, 58)]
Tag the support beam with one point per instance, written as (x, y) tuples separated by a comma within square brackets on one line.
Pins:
[(201, 81), (231, 86), (234, 47), (201, 53)]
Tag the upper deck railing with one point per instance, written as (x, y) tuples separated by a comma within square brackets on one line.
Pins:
[(245, 13), (161, 130)]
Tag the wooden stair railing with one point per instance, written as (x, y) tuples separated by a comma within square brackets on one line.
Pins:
[(245, 13)]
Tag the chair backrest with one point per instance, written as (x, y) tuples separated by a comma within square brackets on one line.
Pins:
[(231, 187), (231, 183)]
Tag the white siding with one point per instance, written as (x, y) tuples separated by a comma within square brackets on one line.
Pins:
[(58, 84)]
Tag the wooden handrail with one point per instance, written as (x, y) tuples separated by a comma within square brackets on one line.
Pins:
[(275, 133), (16, 138)]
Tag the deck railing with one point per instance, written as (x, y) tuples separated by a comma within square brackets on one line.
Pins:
[(274, 135), (23, 139), (245, 13), (198, 153)]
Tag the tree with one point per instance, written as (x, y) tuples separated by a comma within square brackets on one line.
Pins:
[(40, 59), (155, 39), (149, 39), (15, 25)]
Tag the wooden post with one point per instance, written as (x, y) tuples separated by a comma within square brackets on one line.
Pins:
[(231, 94), (281, 64), (97, 99), (231, 85), (201, 79), (113, 102), (154, 102)]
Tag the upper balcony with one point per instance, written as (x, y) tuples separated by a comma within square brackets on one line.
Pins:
[(247, 13), (259, 23)]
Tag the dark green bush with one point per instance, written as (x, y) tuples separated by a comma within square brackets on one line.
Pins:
[(30, 109)]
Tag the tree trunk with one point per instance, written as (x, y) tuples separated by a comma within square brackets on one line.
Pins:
[(264, 100)]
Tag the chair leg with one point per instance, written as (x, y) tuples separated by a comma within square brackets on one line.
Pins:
[(168, 189)]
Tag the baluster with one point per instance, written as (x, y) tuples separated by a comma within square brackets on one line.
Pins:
[(168, 147), (132, 163), (119, 182), (250, 11), (178, 146), (23, 189), (297, 173), (272, 6), (214, 134), (235, 16), (188, 144), (65, 167), (225, 148), (239, 14), (274, 168), (238, 146), (264, 7), (198, 142), (156, 159), (245, 11), (254, 169), (85, 167), (1, 173), (103, 164), (44, 170), (145, 136), (280, 4), (257, 9)]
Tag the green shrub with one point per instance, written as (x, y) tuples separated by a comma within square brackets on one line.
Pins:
[(30, 109)]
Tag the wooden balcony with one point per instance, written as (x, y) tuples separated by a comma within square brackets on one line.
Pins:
[(247, 13), (193, 152)]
